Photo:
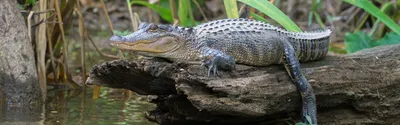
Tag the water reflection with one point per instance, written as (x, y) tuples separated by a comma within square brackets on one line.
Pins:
[(68, 107)]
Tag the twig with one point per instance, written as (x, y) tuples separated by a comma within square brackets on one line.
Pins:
[(131, 14), (65, 47), (83, 36), (173, 10), (45, 21), (38, 12), (351, 17), (103, 54), (242, 9), (103, 5), (52, 56), (201, 10), (29, 19)]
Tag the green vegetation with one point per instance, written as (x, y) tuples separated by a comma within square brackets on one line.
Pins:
[(358, 40), (272, 11), (372, 9), (316, 4), (164, 12)]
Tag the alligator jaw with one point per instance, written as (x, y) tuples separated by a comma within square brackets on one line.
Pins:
[(128, 45), (154, 45)]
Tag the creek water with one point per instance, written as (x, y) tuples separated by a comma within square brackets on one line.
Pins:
[(71, 107)]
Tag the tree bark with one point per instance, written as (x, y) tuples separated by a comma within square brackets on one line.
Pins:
[(360, 88), (18, 77), (20, 94)]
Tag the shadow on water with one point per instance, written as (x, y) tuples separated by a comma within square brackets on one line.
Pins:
[(72, 107)]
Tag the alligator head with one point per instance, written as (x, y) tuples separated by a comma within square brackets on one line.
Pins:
[(152, 39)]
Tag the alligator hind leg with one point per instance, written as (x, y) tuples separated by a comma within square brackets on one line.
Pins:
[(292, 66)]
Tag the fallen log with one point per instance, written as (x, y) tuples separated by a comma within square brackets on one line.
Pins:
[(360, 88)]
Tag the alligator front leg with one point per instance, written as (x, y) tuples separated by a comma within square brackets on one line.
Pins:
[(214, 59), (292, 66)]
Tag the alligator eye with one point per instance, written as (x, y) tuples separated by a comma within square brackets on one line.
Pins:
[(153, 27)]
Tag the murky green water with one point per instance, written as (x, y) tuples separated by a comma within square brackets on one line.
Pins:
[(111, 108), (67, 107)]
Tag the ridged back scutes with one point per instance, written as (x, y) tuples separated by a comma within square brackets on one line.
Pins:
[(308, 45), (224, 25), (248, 41), (313, 35)]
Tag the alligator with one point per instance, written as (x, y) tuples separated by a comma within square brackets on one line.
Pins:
[(220, 44)]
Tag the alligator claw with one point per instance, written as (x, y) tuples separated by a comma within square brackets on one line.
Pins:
[(214, 69), (210, 63), (213, 63)]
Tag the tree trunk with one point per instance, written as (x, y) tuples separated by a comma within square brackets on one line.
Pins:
[(18, 77), (20, 94), (361, 88)]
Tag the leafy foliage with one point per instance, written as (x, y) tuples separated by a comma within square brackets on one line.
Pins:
[(359, 40), (272, 11), (373, 10), (32, 2), (24, 4), (164, 12)]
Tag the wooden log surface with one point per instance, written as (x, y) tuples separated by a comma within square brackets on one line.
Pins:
[(360, 88)]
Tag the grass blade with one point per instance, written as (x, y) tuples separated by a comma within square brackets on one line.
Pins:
[(373, 10), (191, 16), (385, 8), (183, 12), (319, 20), (258, 17), (231, 8), (269, 9)]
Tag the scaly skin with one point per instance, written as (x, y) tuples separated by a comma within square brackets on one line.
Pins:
[(223, 43)]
